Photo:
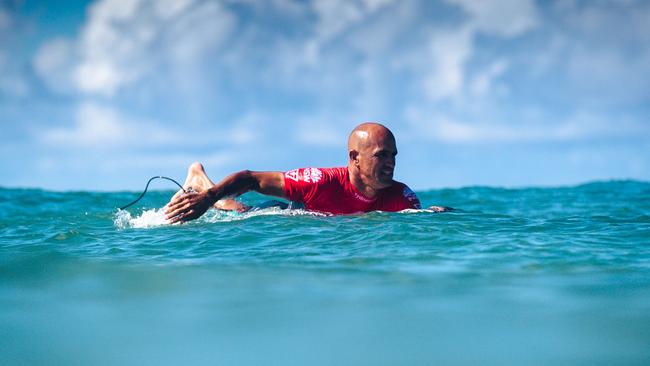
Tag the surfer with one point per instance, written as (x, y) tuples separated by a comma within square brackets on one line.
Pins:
[(366, 184)]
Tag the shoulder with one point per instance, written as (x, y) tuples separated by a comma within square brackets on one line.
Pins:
[(403, 193), (398, 187), (406, 190), (324, 175)]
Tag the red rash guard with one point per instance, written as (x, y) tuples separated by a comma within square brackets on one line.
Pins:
[(330, 190)]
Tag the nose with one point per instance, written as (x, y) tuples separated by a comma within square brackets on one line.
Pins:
[(390, 161)]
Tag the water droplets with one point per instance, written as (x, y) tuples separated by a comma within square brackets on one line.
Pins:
[(148, 219)]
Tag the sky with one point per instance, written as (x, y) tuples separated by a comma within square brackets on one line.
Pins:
[(101, 95)]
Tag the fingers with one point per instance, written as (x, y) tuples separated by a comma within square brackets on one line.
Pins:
[(180, 209), (175, 203), (182, 217), (177, 211), (173, 208), (183, 208), (178, 202), (174, 220)]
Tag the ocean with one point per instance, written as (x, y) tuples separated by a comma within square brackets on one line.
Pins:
[(530, 276)]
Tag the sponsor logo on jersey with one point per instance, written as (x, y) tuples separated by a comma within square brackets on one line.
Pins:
[(294, 175), (411, 196), (363, 199), (312, 175), (309, 175)]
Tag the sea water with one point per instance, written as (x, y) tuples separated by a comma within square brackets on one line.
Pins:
[(535, 276)]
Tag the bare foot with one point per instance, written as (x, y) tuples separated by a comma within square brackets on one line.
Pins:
[(229, 204), (197, 180)]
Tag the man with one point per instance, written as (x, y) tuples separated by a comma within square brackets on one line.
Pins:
[(366, 184)]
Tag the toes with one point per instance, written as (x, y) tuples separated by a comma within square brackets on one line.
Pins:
[(195, 167)]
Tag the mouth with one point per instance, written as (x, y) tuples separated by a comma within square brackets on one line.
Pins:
[(387, 172)]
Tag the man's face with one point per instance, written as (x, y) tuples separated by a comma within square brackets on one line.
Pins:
[(377, 161)]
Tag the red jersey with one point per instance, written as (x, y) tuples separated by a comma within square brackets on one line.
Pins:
[(330, 190)]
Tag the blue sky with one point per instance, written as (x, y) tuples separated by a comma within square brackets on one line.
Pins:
[(101, 95)]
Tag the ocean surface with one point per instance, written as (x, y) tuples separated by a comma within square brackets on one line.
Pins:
[(536, 276)]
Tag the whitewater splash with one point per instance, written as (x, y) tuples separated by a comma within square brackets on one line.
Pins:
[(156, 217), (147, 219)]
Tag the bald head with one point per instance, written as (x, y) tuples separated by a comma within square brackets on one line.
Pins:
[(367, 133)]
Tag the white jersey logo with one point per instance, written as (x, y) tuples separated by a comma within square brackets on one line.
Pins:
[(312, 175), (292, 174), (309, 175)]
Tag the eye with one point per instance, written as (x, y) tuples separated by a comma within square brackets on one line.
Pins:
[(384, 154)]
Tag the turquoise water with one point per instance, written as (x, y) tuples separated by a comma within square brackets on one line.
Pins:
[(540, 276)]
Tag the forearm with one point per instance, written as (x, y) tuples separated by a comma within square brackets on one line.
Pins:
[(271, 183), (192, 205)]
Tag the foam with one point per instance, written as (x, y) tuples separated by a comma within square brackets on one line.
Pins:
[(156, 217), (148, 219), (420, 210)]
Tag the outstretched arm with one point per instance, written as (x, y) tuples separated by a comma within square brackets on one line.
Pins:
[(191, 206)]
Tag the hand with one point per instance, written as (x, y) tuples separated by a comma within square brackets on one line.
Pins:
[(186, 207), (440, 209)]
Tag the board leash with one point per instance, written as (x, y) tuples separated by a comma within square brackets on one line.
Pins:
[(147, 187)]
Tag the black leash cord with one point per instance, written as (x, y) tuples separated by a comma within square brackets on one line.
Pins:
[(147, 187)]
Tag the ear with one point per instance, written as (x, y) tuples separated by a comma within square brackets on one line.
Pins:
[(354, 155)]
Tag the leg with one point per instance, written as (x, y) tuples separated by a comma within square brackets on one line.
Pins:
[(199, 181)]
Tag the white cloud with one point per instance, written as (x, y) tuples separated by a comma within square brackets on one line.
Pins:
[(482, 84), (247, 129), (451, 131), (12, 79), (318, 132), (11, 82), (108, 56), (123, 42), (580, 126), (239, 75), (14, 85), (55, 59), (215, 159), (100, 126), (5, 19), (95, 126), (449, 51), (96, 170), (167, 9), (201, 28), (607, 52), (166, 161), (550, 54), (506, 18), (336, 16)]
